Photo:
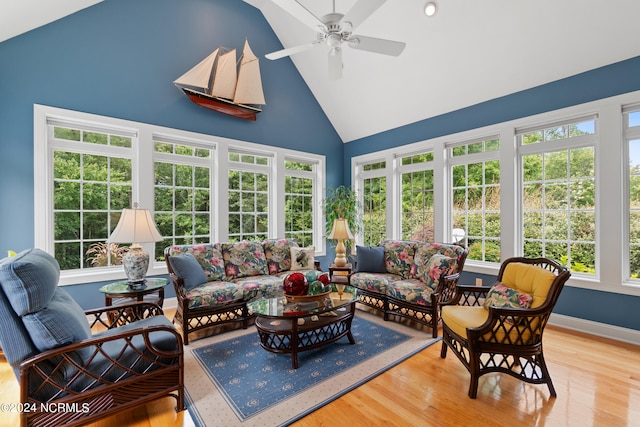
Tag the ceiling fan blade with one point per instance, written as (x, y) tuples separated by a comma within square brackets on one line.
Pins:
[(335, 64), (361, 11), (372, 44), (301, 13), (290, 51)]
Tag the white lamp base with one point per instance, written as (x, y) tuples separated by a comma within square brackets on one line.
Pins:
[(136, 263)]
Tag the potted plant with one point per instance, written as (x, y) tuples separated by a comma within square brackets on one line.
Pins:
[(342, 203)]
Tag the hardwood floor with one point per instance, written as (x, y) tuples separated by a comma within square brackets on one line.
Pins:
[(597, 381)]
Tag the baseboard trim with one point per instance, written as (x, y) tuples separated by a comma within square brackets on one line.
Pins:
[(170, 303), (604, 330)]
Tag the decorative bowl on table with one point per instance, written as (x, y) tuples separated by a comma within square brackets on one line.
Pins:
[(297, 288), (308, 298)]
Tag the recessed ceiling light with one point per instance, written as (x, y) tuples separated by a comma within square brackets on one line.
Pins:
[(431, 8)]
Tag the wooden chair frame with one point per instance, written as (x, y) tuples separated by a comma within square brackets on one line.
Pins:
[(103, 395), (510, 341)]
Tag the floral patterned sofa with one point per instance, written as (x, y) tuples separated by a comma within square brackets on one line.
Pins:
[(408, 278), (214, 281)]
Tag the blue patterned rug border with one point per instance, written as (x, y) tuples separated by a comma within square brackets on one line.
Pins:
[(213, 403)]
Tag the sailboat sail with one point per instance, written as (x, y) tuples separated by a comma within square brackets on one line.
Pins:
[(200, 75), (249, 88), (224, 83), (223, 88)]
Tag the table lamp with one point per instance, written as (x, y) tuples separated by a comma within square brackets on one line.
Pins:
[(340, 232), (135, 226)]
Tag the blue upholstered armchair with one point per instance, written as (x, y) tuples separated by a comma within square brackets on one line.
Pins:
[(48, 341)]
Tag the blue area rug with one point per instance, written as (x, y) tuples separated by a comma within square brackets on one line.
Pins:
[(234, 381)]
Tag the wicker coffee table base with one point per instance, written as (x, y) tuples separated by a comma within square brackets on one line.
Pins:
[(287, 334)]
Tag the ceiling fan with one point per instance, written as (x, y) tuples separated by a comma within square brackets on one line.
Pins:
[(333, 29)]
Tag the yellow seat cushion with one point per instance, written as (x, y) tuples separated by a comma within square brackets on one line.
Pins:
[(458, 318), (530, 279)]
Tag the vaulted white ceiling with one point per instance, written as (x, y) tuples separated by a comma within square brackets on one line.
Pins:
[(20, 16), (470, 52)]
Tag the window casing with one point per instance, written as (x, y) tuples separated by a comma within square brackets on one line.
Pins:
[(183, 182), (559, 193), (92, 183), (417, 187), (184, 179), (249, 213), (300, 200), (631, 123), (475, 196), (374, 196)]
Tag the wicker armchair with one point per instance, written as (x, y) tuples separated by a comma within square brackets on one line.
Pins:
[(492, 335), (68, 374)]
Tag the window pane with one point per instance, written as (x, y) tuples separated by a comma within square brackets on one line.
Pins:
[(299, 209), (375, 215), (417, 205), (476, 202), (182, 195), (558, 190), (248, 204), (89, 193)]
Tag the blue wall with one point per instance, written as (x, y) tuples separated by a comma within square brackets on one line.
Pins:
[(615, 79), (119, 59)]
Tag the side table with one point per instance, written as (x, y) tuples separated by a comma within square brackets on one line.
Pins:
[(120, 292), (339, 276)]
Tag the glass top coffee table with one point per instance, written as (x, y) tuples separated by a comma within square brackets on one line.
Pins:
[(291, 327)]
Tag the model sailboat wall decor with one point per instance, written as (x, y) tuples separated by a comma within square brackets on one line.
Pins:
[(219, 84)]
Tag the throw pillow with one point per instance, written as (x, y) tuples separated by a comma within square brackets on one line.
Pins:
[(61, 322), (430, 272), (370, 259), (500, 295), (303, 258), (278, 254), (29, 280), (186, 267)]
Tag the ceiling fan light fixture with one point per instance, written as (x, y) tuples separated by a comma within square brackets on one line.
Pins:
[(431, 8)]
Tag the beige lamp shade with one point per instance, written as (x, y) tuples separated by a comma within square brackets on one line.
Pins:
[(135, 226), (340, 230)]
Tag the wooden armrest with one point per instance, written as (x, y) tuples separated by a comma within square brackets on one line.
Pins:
[(37, 369), (524, 323)]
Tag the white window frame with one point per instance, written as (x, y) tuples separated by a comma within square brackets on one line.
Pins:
[(143, 182), (630, 134), (562, 145), (611, 170), (316, 195), (412, 168), (482, 157), (386, 173), (209, 163)]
